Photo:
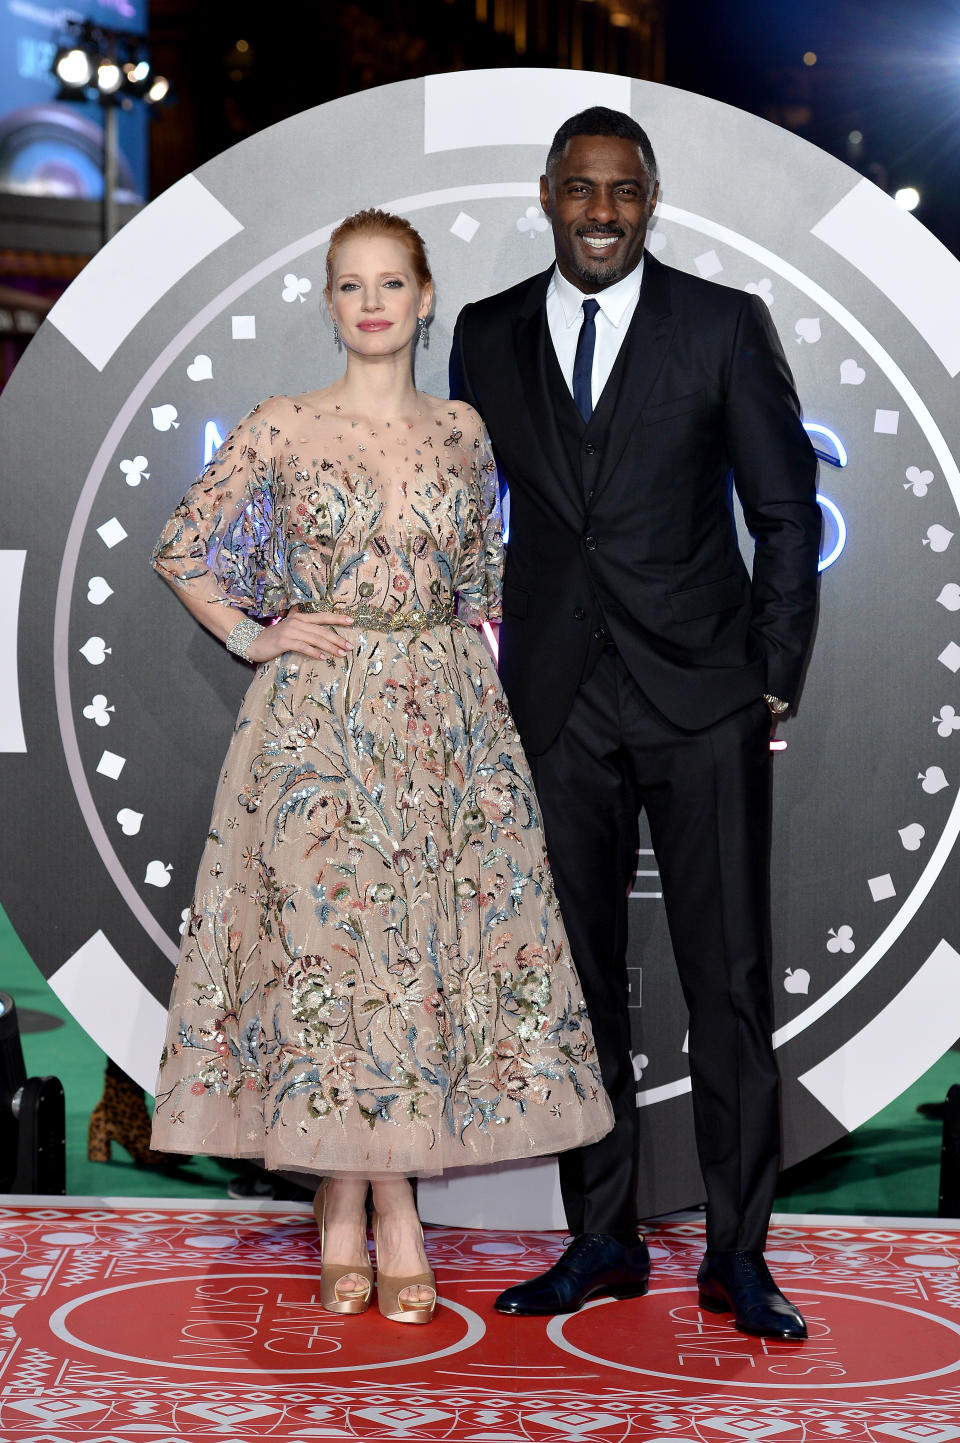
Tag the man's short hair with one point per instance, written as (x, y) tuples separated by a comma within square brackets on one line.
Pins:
[(599, 120)]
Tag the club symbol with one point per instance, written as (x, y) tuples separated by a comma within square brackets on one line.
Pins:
[(185, 918), (763, 289), (296, 288), (917, 481), (136, 471), (808, 329), (532, 221), (840, 939), (851, 374), (947, 721), (99, 710), (640, 1061)]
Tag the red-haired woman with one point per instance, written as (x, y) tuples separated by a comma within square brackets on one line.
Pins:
[(375, 982)]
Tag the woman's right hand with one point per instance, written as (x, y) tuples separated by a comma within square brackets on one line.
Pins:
[(312, 633)]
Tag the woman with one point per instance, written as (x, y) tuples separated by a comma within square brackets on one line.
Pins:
[(375, 982)]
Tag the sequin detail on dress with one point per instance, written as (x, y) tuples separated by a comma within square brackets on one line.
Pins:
[(374, 976)]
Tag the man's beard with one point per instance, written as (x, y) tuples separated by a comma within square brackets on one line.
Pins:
[(600, 274)]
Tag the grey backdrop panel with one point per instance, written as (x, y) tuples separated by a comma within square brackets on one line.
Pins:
[(116, 708)]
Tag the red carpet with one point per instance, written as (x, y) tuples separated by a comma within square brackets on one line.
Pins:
[(133, 1324)]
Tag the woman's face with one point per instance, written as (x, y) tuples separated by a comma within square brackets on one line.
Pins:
[(375, 298)]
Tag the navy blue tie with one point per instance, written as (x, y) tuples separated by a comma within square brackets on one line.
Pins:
[(583, 360)]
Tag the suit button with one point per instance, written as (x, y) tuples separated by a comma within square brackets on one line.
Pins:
[(578, 613), (600, 633), (590, 542), (590, 449)]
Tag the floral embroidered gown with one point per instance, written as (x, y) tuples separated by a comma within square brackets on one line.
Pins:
[(374, 977)]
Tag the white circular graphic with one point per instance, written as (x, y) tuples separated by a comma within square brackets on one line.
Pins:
[(222, 302)]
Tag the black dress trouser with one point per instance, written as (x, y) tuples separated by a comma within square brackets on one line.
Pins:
[(707, 798)]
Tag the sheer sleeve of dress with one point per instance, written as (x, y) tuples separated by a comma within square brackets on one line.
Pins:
[(223, 543), (480, 579)]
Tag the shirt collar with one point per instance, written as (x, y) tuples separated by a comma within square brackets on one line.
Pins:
[(614, 301)]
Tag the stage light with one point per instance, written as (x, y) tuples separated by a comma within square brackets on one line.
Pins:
[(907, 197), (32, 1134), (242, 46), (855, 137), (73, 67), (158, 91), (809, 57), (137, 76), (109, 76)]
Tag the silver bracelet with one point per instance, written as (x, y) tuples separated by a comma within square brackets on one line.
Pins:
[(239, 639)]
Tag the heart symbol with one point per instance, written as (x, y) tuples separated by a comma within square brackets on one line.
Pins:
[(129, 822), (295, 288), (841, 939), (797, 980), (918, 481), (157, 874), (932, 780), (950, 596), (200, 369), (164, 417), (95, 649), (98, 710), (851, 374), (808, 329), (938, 538), (98, 589), (912, 836)]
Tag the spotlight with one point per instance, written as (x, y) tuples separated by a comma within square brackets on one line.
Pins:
[(137, 75), (32, 1135), (907, 197), (159, 90), (109, 76), (809, 57), (73, 67)]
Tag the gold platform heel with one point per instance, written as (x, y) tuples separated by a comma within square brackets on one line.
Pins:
[(389, 1301), (332, 1274)]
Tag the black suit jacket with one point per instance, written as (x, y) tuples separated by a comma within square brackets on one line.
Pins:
[(650, 543)]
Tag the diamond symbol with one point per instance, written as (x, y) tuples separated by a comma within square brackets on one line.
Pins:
[(709, 264), (56, 1408), (465, 227), (401, 1420), (917, 1432), (950, 657), (575, 1425), (111, 532), (230, 1412)]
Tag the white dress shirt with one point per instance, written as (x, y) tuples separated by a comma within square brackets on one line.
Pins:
[(565, 316)]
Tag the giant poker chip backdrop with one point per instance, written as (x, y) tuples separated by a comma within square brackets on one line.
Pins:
[(116, 708)]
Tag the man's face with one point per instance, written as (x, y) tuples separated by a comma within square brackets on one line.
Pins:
[(598, 200)]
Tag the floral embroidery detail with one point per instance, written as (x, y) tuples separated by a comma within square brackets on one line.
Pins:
[(374, 975)]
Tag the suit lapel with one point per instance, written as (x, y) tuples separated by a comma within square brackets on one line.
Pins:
[(531, 339), (637, 367)]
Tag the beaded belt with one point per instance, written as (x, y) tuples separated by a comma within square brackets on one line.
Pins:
[(375, 618)]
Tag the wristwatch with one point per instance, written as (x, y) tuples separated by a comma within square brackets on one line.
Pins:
[(777, 706)]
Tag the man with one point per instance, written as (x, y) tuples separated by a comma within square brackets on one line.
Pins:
[(643, 666)]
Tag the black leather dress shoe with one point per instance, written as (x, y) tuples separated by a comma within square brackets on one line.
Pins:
[(740, 1283), (594, 1265)]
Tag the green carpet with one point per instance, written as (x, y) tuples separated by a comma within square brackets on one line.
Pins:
[(888, 1167)]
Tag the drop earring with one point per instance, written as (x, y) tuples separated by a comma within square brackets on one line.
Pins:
[(336, 337), (423, 335)]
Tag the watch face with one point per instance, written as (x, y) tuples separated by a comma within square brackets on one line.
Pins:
[(117, 708)]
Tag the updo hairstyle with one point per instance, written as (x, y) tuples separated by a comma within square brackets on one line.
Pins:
[(381, 222)]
